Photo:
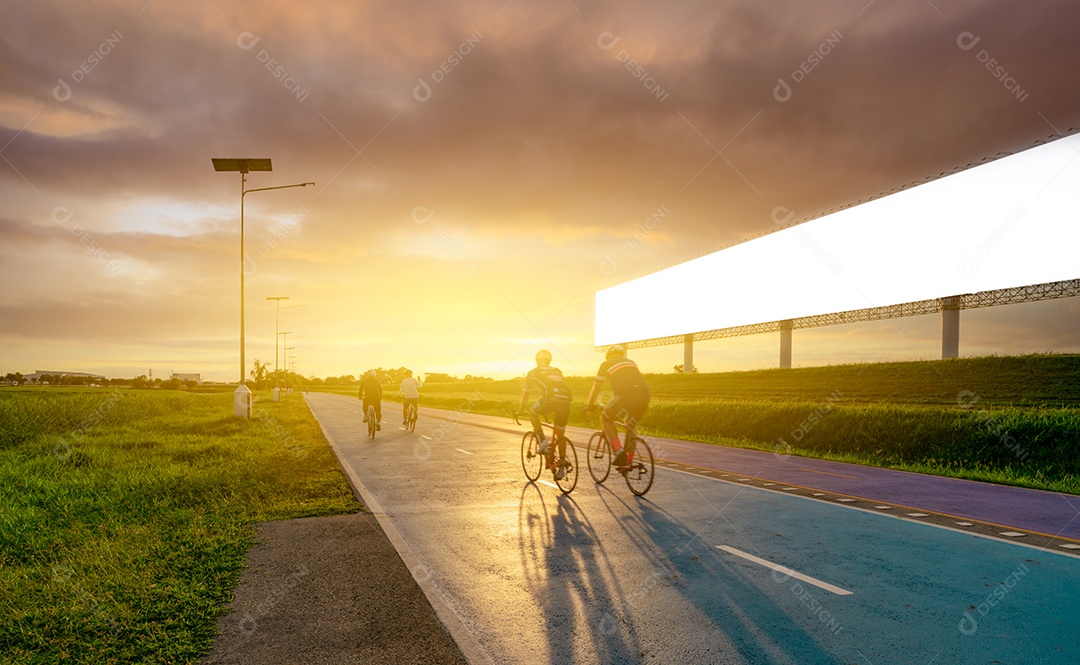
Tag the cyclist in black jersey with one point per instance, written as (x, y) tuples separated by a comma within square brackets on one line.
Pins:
[(554, 400), (630, 400), (371, 395)]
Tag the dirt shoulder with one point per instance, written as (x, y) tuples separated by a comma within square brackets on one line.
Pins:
[(329, 590)]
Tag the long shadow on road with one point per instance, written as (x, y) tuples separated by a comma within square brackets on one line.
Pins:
[(567, 569), (595, 612), (689, 570)]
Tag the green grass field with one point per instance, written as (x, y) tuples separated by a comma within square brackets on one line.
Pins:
[(1005, 419), (125, 515)]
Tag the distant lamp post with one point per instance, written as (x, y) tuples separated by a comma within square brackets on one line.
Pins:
[(277, 320), (287, 349), (242, 396), (285, 341)]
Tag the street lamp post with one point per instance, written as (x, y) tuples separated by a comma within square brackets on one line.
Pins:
[(242, 396), (277, 321), (284, 342), (277, 318), (292, 368)]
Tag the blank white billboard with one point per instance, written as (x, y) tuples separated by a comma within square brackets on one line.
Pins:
[(1012, 222)]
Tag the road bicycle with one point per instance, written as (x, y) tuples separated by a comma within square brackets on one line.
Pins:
[(533, 462), (410, 418), (640, 467), (372, 421)]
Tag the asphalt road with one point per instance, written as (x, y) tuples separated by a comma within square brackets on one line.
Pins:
[(701, 570)]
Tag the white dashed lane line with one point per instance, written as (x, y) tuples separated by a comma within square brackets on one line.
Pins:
[(786, 571)]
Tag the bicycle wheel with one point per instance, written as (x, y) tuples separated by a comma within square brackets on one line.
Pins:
[(371, 421), (410, 422), (640, 476), (599, 456), (569, 463), (532, 462)]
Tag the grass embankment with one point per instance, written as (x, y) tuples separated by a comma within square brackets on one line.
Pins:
[(1010, 420), (125, 515)]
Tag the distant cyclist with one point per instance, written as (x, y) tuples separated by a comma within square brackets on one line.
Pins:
[(410, 394), (554, 399), (371, 395), (630, 400)]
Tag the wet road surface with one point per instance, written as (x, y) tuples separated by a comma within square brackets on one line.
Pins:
[(701, 569)]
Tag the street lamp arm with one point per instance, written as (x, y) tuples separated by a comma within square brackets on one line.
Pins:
[(266, 189)]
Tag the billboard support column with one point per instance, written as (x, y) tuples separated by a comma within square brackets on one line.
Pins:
[(950, 327), (785, 344), (688, 354)]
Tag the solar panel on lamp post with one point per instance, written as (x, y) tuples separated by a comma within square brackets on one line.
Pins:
[(242, 396)]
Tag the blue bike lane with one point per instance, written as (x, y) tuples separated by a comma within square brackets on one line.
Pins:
[(1037, 512), (925, 593)]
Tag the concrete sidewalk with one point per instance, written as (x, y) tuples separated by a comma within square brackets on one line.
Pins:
[(329, 590)]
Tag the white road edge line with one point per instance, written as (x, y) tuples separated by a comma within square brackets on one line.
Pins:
[(786, 571), (463, 451)]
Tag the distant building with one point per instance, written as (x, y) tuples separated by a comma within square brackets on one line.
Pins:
[(36, 376), (187, 376)]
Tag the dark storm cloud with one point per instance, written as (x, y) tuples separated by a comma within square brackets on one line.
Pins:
[(537, 114)]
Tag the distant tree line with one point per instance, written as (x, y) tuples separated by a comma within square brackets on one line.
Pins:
[(392, 376), (261, 377)]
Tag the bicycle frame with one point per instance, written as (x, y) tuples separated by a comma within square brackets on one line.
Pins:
[(567, 456)]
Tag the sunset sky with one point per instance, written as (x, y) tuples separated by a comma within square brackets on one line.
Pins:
[(482, 168)]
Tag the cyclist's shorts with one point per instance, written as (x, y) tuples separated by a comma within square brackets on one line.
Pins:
[(628, 408), (559, 409)]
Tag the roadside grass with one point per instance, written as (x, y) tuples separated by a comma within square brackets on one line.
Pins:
[(125, 516), (1011, 420)]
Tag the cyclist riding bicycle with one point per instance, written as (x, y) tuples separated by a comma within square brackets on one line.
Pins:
[(371, 395), (630, 400), (555, 400), (410, 394)]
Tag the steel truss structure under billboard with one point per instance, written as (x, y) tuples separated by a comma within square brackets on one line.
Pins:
[(949, 307)]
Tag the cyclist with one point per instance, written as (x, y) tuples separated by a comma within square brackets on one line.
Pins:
[(371, 395), (629, 403), (410, 394), (555, 399)]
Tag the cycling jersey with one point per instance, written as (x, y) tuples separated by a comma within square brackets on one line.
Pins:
[(624, 375), (550, 380), (370, 388), (410, 388)]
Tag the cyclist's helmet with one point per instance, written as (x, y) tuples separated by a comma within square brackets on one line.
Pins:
[(616, 351), (543, 357)]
